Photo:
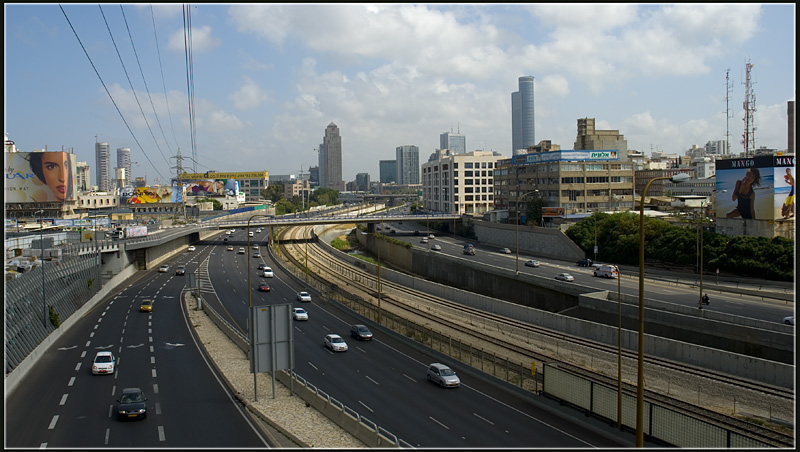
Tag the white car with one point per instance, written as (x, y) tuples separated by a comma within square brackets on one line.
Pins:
[(565, 277), (163, 269), (258, 231), (436, 248), (335, 343), (241, 251), (299, 314), (103, 363), (269, 274), (423, 240), (250, 233), (789, 320), (191, 248), (304, 296)]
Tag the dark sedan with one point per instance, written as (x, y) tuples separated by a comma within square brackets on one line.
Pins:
[(131, 404), (361, 333)]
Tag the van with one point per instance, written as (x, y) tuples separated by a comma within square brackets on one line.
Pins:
[(607, 271)]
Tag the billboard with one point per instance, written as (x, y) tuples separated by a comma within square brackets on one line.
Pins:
[(213, 187), (40, 177), (150, 195), (567, 155), (759, 187)]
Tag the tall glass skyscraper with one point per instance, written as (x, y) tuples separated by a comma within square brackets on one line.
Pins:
[(456, 142), (523, 130), (124, 161), (103, 160), (330, 159)]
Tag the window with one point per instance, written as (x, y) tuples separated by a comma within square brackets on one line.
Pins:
[(468, 173), (468, 165)]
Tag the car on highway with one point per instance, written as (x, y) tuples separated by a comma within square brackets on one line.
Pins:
[(431, 236), (789, 320), (250, 233), (241, 251), (299, 314), (227, 233), (255, 247), (131, 404), (262, 266), (263, 287), (304, 296), (532, 263), (585, 262), (230, 248), (233, 231), (436, 247), (565, 277), (269, 274), (256, 254), (181, 270), (258, 231), (163, 269), (191, 248), (335, 343), (103, 363), (443, 376), (361, 332), (423, 240), (146, 306), (505, 250)]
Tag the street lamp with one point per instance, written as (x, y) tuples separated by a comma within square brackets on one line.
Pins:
[(41, 248), (680, 177), (516, 235)]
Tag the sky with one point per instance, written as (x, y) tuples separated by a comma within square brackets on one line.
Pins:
[(266, 80)]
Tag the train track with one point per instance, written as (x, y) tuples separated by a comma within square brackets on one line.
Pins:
[(521, 340)]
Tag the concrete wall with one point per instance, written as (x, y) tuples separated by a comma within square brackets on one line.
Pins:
[(544, 242)]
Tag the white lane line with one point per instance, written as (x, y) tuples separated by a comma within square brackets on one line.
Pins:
[(158, 408), (410, 378), (483, 418), (78, 367), (53, 423), (108, 433), (154, 373), (88, 343), (155, 389), (91, 334), (71, 381), (63, 399), (365, 406), (315, 367), (161, 436), (434, 420), (43, 446), (152, 360), (370, 379)]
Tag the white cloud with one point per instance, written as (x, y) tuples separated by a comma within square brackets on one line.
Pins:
[(202, 40), (249, 95)]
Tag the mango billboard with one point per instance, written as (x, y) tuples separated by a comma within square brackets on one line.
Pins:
[(759, 187), (40, 177)]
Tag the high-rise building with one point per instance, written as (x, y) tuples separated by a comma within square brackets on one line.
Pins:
[(330, 159), (591, 139), (718, 147), (407, 165), (362, 181), (456, 142), (523, 130), (83, 176), (388, 171), (124, 161), (103, 161)]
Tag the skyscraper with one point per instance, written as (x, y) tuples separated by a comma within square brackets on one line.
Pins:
[(407, 165), (330, 159), (456, 142), (103, 160), (523, 130), (83, 176), (124, 161), (388, 171)]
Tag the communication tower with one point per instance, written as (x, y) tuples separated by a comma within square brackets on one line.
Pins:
[(748, 137), (728, 114)]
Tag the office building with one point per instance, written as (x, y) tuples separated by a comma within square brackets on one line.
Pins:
[(362, 182), (590, 139), (388, 171), (407, 158), (330, 159), (124, 161), (83, 176), (103, 162), (456, 142), (460, 183), (523, 131)]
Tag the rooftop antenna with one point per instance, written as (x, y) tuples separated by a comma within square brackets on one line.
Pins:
[(748, 137), (728, 114)]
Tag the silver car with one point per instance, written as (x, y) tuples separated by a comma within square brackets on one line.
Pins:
[(443, 376)]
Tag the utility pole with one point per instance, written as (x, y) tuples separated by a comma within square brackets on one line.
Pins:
[(179, 170)]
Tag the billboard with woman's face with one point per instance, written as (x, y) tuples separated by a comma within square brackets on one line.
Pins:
[(759, 187), (40, 177), (213, 187)]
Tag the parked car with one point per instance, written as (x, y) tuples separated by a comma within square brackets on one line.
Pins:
[(443, 376), (131, 404), (565, 277), (299, 314), (361, 332), (532, 263), (263, 287), (586, 262), (436, 247), (269, 274), (191, 248), (304, 296), (163, 269), (789, 320), (335, 343), (146, 306), (103, 363), (505, 250), (181, 270)]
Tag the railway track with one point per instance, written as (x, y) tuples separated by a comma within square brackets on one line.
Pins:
[(522, 341)]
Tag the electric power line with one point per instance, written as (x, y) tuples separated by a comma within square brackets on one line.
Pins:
[(163, 84)]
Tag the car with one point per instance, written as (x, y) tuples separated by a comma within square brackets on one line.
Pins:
[(436, 247), (103, 363), (423, 240), (230, 248), (255, 247), (505, 250), (431, 236), (263, 287), (163, 269), (565, 277), (250, 233), (227, 233), (131, 404), (262, 266), (241, 251), (789, 320), (335, 343), (532, 263), (256, 254), (191, 248), (233, 231), (586, 262), (146, 306), (181, 270), (304, 296), (299, 314), (258, 231), (361, 332), (443, 376), (269, 274)]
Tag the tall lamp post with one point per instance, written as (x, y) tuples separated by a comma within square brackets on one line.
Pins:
[(681, 177), (516, 235), (41, 248)]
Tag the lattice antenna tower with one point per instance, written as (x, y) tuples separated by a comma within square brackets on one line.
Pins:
[(748, 137), (728, 113), (179, 171)]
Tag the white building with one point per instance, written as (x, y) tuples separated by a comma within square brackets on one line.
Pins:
[(460, 183)]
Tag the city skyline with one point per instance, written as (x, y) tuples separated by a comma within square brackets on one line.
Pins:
[(656, 73)]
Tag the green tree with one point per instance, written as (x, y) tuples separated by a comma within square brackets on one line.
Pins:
[(217, 205)]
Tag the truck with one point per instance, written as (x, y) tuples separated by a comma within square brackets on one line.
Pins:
[(469, 249), (607, 271)]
